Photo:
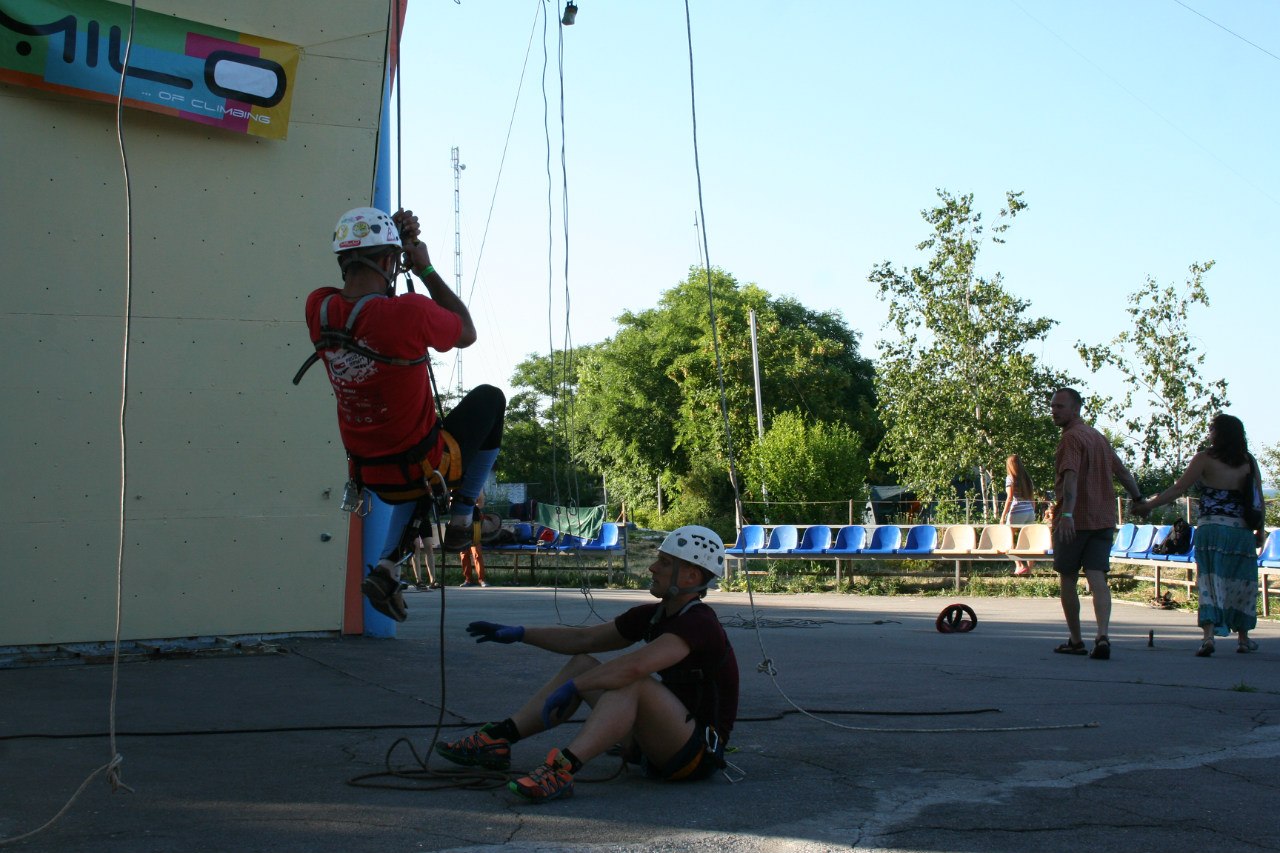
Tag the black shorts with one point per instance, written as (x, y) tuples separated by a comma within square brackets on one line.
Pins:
[(702, 755), (1090, 550)]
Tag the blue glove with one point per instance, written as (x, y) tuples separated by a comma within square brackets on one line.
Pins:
[(559, 703), (492, 632)]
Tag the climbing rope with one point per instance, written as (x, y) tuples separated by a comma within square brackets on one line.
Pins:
[(766, 664), (112, 767)]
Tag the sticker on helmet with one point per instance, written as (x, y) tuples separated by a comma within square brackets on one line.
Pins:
[(360, 229)]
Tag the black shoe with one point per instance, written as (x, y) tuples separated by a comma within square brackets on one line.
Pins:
[(1101, 649), (1072, 647), (383, 592)]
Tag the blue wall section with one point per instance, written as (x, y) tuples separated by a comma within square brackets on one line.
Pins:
[(382, 528), (383, 525)]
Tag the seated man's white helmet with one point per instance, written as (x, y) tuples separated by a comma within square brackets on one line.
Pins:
[(699, 545), (365, 228)]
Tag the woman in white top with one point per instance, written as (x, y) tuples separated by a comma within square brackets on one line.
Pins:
[(1019, 506)]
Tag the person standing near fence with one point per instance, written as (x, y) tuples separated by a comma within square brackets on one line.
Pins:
[(1019, 502), (1085, 521), (1226, 547)]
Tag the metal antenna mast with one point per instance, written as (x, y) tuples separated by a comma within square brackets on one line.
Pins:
[(457, 245)]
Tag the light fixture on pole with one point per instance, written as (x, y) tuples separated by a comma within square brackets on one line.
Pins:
[(570, 12)]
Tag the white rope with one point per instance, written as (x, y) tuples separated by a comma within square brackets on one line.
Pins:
[(112, 767)]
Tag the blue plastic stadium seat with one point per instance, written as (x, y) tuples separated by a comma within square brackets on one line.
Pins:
[(1270, 556), (522, 535), (884, 540), (1190, 556), (606, 540), (816, 539), (1158, 535), (1174, 558), (750, 541), (849, 540), (781, 540), (1141, 544), (1124, 539), (921, 539)]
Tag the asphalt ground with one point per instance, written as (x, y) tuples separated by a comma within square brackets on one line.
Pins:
[(919, 741)]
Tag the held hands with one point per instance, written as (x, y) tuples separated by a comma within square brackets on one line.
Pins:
[(560, 704), (492, 632)]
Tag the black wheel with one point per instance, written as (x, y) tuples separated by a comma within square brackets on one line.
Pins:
[(956, 619)]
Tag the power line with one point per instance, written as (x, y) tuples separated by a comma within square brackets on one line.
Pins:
[(1225, 29)]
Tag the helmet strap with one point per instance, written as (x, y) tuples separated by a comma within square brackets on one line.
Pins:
[(675, 590), (388, 277)]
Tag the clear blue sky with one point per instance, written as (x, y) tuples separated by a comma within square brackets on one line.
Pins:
[(1143, 135)]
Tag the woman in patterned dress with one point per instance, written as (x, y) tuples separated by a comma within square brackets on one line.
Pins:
[(1226, 549)]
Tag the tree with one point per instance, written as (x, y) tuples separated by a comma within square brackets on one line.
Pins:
[(1163, 368), (650, 397), (805, 462), (958, 388), (1269, 467), (538, 433)]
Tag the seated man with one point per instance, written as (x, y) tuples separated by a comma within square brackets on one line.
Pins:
[(375, 347), (671, 703)]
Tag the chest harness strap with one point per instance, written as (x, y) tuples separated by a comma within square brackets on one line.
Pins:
[(408, 460), (344, 339)]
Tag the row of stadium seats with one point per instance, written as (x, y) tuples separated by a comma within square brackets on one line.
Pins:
[(964, 541), (958, 541)]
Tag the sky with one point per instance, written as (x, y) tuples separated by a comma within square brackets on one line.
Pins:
[(1142, 133)]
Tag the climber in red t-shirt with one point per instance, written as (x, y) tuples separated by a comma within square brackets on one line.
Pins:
[(375, 348)]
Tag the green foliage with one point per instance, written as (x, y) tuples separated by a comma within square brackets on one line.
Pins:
[(958, 388), (802, 462), (1269, 461), (648, 403), (539, 432), (1163, 369)]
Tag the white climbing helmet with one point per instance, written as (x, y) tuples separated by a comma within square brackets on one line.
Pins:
[(698, 545), (364, 228)]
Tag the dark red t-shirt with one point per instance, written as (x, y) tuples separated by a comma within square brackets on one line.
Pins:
[(384, 408), (706, 681)]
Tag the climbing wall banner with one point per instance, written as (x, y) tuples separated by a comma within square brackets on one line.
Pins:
[(193, 71)]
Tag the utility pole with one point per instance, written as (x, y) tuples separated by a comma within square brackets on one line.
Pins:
[(457, 246), (755, 369)]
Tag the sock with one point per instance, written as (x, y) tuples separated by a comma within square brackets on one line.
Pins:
[(574, 763), (505, 730), (463, 512)]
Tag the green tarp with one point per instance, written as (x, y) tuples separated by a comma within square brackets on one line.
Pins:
[(584, 521)]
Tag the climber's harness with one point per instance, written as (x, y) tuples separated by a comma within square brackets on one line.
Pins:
[(420, 479)]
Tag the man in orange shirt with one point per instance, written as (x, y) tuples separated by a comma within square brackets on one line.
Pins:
[(1085, 519)]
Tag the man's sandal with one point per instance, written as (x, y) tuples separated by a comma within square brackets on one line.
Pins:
[(1101, 649), (1072, 647)]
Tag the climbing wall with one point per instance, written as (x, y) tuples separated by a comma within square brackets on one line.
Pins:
[(234, 475)]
